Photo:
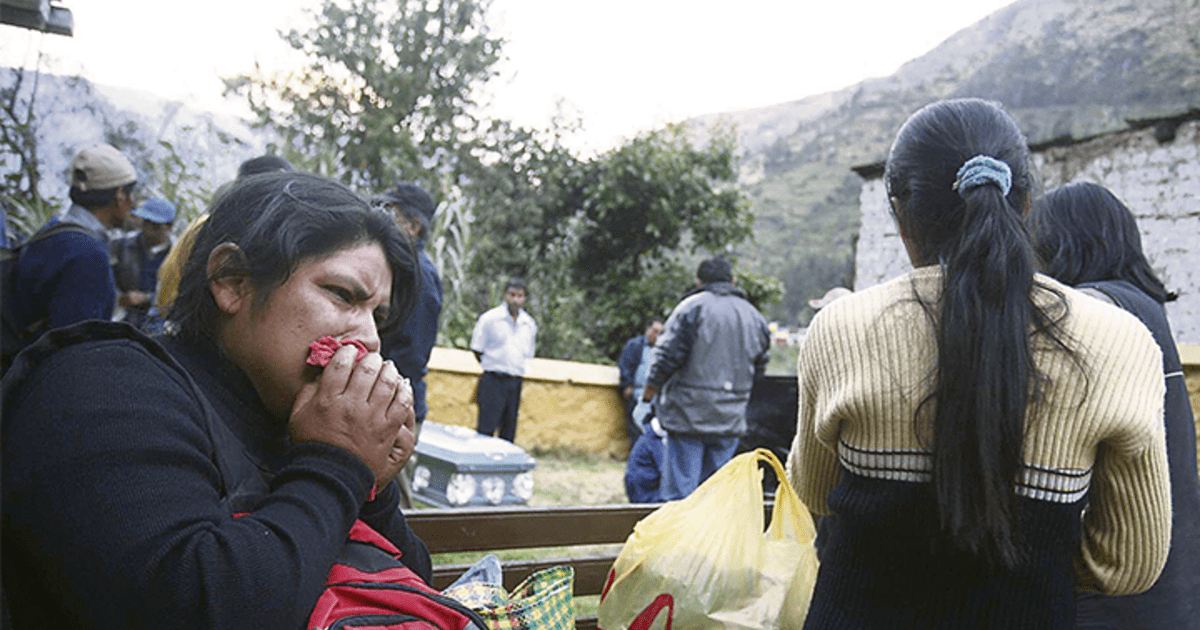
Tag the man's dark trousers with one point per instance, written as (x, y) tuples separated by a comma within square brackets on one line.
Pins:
[(498, 398)]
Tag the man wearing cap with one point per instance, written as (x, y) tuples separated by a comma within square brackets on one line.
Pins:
[(138, 258), (409, 346), (714, 346), (67, 277)]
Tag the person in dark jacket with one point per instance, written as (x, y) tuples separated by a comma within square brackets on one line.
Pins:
[(410, 345), (209, 478), (634, 365), (67, 277), (139, 255), (1086, 237), (713, 347)]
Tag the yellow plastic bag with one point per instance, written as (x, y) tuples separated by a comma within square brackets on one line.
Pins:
[(705, 561)]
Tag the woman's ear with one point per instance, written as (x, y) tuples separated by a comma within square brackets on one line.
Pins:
[(227, 278)]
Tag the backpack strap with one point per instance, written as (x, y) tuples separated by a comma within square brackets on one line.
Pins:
[(16, 336), (46, 231)]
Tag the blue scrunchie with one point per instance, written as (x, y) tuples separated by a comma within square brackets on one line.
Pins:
[(982, 170)]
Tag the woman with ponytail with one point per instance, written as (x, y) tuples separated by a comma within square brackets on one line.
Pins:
[(957, 421)]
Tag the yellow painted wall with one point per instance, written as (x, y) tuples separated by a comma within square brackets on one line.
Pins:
[(564, 405)]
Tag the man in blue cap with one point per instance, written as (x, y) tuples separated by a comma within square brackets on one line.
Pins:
[(138, 257)]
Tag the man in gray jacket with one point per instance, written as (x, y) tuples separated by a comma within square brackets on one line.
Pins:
[(715, 344)]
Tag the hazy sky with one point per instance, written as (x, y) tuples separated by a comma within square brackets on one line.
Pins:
[(623, 66)]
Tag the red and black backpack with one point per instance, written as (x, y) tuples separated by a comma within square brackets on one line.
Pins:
[(368, 587)]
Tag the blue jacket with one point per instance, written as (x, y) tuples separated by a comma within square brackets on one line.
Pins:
[(410, 345), (712, 348), (66, 278), (631, 356), (643, 471)]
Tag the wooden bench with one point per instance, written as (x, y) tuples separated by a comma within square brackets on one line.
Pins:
[(493, 529)]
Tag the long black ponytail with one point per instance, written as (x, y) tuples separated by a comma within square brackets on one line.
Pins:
[(958, 175)]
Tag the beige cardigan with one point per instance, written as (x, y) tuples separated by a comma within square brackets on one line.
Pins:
[(867, 362)]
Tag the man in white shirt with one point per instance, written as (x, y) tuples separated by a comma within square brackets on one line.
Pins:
[(502, 341)]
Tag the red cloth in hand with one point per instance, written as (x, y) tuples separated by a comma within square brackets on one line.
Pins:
[(320, 352)]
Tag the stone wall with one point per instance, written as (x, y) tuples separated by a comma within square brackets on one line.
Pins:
[(1159, 181), (879, 255), (564, 405)]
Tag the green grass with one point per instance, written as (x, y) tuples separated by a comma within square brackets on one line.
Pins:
[(783, 360), (562, 478)]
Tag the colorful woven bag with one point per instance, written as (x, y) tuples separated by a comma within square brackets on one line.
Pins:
[(544, 601)]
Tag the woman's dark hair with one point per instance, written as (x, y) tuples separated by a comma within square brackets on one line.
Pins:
[(986, 374), (279, 220), (1082, 233), (263, 164), (94, 199)]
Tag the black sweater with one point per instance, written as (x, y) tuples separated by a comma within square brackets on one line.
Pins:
[(117, 510), (1172, 601)]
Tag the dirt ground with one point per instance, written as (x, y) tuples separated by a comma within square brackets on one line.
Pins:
[(577, 479)]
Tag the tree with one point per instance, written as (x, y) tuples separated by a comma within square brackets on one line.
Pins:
[(388, 94), (388, 90), (642, 212), (24, 207), (18, 131), (643, 199), (508, 232)]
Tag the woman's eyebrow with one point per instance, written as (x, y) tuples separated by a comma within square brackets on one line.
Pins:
[(356, 287)]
